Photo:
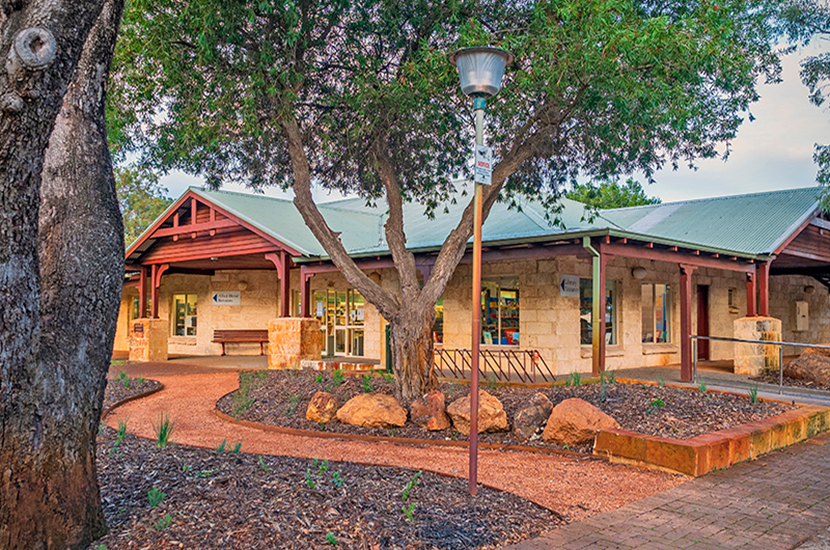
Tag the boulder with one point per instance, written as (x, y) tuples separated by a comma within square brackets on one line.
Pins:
[(574, 422), (532, 417), (491, 415), (429, 412), (322, 407), (813, 366), (372, 410)]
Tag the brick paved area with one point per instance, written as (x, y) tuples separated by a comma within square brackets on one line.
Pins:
[(779, 501)]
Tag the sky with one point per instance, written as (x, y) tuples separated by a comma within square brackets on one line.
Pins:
[(772, 152)]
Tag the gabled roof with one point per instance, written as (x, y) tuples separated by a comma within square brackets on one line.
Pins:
[(752, 225)]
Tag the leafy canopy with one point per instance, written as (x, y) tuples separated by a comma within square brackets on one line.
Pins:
[(599, 88), (141, 200), (611, 195)]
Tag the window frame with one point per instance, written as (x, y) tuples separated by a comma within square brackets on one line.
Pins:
[(667, 313)]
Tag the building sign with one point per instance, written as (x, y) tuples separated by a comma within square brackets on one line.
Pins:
[(484, 165), (225, 297), (569, 286), (138, 328)]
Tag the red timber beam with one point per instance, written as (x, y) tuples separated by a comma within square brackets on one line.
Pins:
[(686, 322), (282, 262), (751, 293), (674, 256), (305, 291), (763, 288), (142, 292), (154, 293)]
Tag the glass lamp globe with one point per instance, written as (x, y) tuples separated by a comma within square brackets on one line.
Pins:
[(481, 69)]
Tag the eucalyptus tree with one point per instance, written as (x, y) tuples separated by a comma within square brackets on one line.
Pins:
[(61, 267), (360, 97)]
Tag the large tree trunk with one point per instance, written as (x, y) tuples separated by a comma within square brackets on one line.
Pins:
[(412, 352), (52, 393)]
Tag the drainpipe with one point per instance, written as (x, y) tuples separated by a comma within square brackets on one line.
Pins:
[(596, 302)]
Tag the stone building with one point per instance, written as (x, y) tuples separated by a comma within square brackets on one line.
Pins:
[(753, 265)]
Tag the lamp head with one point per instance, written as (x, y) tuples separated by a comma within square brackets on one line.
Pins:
[(481, 70)]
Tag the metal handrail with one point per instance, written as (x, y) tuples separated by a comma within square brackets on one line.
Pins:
[(695, 338), (525, 365)]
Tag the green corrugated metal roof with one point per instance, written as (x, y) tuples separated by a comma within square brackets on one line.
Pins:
[(745, 224), (752, 224)]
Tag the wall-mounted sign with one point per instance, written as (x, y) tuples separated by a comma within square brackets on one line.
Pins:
[(484, 165), (138, 328), (225, 297), (569, 286)]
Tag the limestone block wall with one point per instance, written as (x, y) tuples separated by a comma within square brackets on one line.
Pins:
[(784, 292), (122, 328)]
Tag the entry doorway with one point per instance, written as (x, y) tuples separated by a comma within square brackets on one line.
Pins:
[(340, 313), (702, 322)]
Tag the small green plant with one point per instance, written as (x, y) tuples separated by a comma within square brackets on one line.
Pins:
[(262, 464), (753, 394), (337, 479), (140, 380), (322, 426), (330, 539), (367, 383), (602, 387), (319, 378), (186, 467), (661, 382), (163, 430), (337, 377), (309, 481), (388, 377), (204, 474), (611, 376), (221, 448), (101, 547), (293, 401), (408, 510), (702, 386), (163, 523), (237, 448), (566, 446), (155, 496), (124, 379), (122, 429), (391, 432), (575, 379), (491, 381), (410, 486), (655, 404), (323, 468)]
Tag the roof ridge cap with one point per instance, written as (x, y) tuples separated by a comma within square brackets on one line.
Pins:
[(709, 199)]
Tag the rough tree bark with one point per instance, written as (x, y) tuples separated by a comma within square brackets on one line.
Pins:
[(61, 265)]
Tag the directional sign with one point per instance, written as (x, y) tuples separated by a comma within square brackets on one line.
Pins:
[(569, 286), (484, 164), (225, 298)]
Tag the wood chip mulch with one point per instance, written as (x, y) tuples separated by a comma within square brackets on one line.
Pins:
[(280, 398), (226, 500), (772, 378), (122, 387)]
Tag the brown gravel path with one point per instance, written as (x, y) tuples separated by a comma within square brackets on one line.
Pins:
[(574, 487)]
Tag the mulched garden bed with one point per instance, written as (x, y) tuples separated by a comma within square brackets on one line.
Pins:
[(772, 378), (227, 500), (280, 398), (122, 387)]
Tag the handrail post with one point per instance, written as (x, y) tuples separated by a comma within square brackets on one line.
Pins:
[(694, 358), (780, 369)]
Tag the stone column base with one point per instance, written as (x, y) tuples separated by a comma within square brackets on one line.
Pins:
[(293, 339), (752, 359), (148, 339)]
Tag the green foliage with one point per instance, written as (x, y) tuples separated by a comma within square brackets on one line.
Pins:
[(101, 547), (221, 448), (574, 379), (124, 379), (140, 380), (204, 474), (661, 382), (141, 199), (408, 511), (337, 479), (330, 539), (608, 194), (122, 429), (388, 377), (753, 394), (293, 401), (237, 448), (702, 386), (323, 467), (309, 481), (655, 404), (416, 479), (163, 523), (337, 376), (367, 383), (319, 378), (242, 400), (155, 496), (163, 430), (262, 464)]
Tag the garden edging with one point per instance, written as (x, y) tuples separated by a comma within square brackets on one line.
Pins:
[(131, 398)]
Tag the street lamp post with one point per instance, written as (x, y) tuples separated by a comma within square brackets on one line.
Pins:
[(480, 71)]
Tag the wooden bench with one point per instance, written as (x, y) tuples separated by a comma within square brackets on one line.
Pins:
[(240, 336)]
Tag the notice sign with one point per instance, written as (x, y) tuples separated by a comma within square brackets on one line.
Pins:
[(569, 286), (484, 165), (225, 298)]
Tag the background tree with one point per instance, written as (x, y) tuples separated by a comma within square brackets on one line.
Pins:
[(61, 267), (805, 21), (360, 97), (611, 195), (141, 199)]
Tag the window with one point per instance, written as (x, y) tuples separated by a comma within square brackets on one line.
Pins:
[(656, 303), (500, 311), (184, 315), (586, 312), (438, 326), (341, 312)]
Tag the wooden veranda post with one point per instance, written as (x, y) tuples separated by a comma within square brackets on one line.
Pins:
[(751, 310), (763, 288), (686, 322)]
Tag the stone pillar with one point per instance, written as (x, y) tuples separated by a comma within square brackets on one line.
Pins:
[(293, 339), (148, 339), (752, 359)]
